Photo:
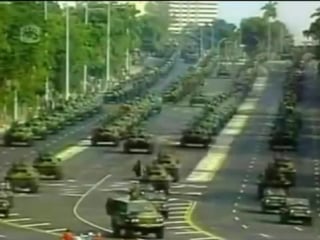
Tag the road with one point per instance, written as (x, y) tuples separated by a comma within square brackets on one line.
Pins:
[(78, 201), (232, 194)]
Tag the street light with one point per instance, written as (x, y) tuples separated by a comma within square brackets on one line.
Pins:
[(128, 53), (108, 47), (67, 80), (85, 67), (47, 90)]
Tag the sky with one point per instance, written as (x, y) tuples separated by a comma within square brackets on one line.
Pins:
[(296, 14)]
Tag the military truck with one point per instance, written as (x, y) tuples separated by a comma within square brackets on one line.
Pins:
[(17, 135), (140, 141), (23, 177), (48, 165), (134, 216), (159, 199), (171, 163), (296, 209), (5, 204), (195, 136), (157, 176), (105, 135), (273, 199)]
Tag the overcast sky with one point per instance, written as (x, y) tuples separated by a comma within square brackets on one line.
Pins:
[(296, 14)]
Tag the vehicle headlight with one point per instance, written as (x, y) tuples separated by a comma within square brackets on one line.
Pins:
[(134, 220), (159, 220), (292, 211)]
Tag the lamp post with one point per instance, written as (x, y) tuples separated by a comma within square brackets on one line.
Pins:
[(107, 80), (85, 66), (47, 90), (67, 77)]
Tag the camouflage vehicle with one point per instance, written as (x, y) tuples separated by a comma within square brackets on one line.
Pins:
[(198, 99), (296, 209), (139, 141), (159, 199), (281, 140), (146, 187), (5, 204), (223, 72), (273, 199), (112, 97), (105, 135), (158, 177), (38, 128), (48, 165), (272, 178), (18, 135), (286, 166), (23, 177), (195, 136), (170, 163), (134, 216), (53, 124)]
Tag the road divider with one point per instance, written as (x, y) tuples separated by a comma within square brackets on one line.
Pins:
[(212, 162)]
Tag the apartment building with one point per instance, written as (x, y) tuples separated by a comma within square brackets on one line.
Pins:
[(184, 13)]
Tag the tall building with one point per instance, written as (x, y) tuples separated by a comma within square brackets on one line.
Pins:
[(184, 13)]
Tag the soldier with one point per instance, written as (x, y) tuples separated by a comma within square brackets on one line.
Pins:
[(135, 192), (138, 169)]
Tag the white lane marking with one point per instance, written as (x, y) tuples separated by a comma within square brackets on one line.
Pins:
[(53, 184), (298, 229), (244, 226), (204, 238), (82, 198), (234, 211), (3, 236), (185, 233), (264, 235), (71, 194), (236, 218), (18, 220), (179, 227), (36, 225), (14, 214), (174, 222), (56, 230)]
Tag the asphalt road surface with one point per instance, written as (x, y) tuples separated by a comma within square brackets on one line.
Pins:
[(97, 172), (230, 209)]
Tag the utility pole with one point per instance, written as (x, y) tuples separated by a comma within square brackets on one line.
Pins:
[(47, 90), (108, 47), (67, 80), (269, 39), (15, 104), (85, 67), (128, 53)]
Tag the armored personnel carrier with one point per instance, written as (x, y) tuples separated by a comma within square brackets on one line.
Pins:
[(139, 141), (171, 163), (274, 199), (18, 135), (195, 136), (23, 177), (134, 216), (105, 135), (48, 165)]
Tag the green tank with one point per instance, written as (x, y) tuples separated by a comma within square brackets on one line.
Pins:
[(108, 135), (53, 124), (171, 163), (158, 177), (48, 165), (196, 136), (198, 99), (5, 204), (23, 177), (18, 135), (129, 216), (38, 128), (139, 141)]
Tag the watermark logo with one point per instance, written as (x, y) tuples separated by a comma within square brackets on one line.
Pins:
[(30, 34)]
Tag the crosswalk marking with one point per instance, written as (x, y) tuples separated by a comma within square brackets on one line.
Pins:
[(18, 220), (14, 214), (71, 194), (56, 230), (204, 238), (178, 227), (185, 233), (36, 225)]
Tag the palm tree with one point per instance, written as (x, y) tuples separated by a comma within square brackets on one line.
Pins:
[(314, 29), (270, 10)]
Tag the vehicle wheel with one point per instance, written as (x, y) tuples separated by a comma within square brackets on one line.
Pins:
[(160, 233), (116, 143), (59, 175), (116, 231), (6, 213), (93, 143), (34, 188)]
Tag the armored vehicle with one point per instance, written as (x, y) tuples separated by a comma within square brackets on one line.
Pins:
[(23, 177), (38, 129), (159, 199), (146, 187), (196, 136), (18, 135), (134, 216), (283, 141), (286, 166), (53, 124), (5, 204), (48, 165), (105, 135), (198, 99), (170, 163), (223, 72), (296, 209), (112, 97), (140, 141), (273, 199), (158, 177)]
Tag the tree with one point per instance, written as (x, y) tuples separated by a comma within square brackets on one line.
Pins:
[(313, 31), (270, 10)]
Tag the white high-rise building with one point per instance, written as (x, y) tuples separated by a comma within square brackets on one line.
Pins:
[(184, 13)]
